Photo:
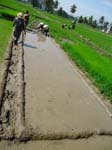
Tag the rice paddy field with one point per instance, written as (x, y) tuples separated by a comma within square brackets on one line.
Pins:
[(97, 67)]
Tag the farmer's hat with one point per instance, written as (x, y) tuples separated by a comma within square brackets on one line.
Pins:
[(20, 15), (41, 23), (45, 26)]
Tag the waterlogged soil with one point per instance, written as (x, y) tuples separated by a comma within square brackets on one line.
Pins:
[(57, 97), (58, 101)]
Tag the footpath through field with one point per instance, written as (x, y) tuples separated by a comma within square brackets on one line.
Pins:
[(57, 99)]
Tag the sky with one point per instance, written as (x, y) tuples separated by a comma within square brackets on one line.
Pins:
[(96, 8)]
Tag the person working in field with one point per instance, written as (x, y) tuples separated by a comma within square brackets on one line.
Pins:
[(64, 26), (18, 27), (73, 24), (43, 28), (46, 30), (40, 26), (26, 18)]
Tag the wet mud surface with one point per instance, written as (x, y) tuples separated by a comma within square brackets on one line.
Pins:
[(57, 98), (46, 103)]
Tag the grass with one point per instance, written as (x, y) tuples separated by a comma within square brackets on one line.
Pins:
[(7, 14), (97, 67), (5, 32), (102, 40)]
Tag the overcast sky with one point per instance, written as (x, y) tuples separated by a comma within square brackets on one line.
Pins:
[(95, 8)]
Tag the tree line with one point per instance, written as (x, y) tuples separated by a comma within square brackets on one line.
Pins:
[(53, 7), (101, 23)]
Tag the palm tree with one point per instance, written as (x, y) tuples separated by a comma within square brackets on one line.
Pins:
[(56, 3), (94, 24), (101, 20), (90, 21), (81, 19), (73, 8), (60, 11), (85, 20)]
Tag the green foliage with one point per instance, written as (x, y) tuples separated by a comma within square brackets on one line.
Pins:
[(101, 20), (5, 32), (94, 24), (7, 15), (98, 67), (14, 7), (81, 20), (85, 20), (49, 5), (56, 3), (102, 40), (62, 13), (73, 8), (90, 20)]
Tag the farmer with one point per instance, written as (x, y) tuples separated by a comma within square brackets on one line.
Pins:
[(18, 27), (73, 24), (46, 30), (26, 18), (63, 26), (40, 26)]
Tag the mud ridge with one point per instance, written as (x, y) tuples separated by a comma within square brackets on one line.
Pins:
[(12, 94), (5, 71), (7, 93), (31, 135), (20, 103)]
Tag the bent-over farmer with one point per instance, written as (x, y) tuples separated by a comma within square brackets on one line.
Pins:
[(46, 30)]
